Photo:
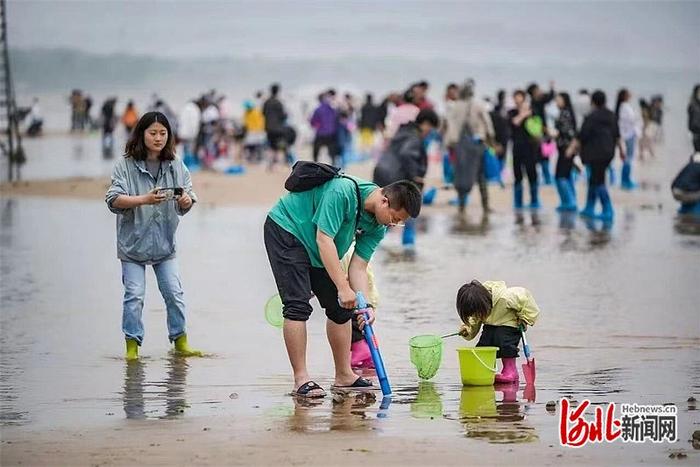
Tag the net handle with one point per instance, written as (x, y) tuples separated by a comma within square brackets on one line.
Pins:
[(493, 370)]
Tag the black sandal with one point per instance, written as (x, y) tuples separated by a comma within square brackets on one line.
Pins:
[(306, 388), (360, 383)]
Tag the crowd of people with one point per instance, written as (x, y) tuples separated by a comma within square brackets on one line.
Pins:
[(546, 133)]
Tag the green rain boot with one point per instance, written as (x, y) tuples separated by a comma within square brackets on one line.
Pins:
[(132, 349), (183, 349)]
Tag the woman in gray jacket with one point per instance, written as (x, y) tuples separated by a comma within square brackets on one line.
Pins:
[(150, 189)]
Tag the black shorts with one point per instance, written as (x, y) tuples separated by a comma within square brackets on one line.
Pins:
[(296, 279), (506, 338)]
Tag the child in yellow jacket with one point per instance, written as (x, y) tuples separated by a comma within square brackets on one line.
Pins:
[(501, 310)]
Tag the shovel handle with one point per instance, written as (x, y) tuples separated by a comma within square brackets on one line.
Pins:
[(526, 348)]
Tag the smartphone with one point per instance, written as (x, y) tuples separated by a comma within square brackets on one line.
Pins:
[(171, 192)]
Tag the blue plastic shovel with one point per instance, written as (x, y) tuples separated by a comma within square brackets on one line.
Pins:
[(371, 339)]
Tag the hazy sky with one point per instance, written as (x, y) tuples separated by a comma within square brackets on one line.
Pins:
[(655, 34)]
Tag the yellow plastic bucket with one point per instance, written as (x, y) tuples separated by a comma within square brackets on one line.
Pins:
[(477, 365)]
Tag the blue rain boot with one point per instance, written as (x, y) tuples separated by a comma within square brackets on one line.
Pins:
[(408, 238), (626, 182), (429, 196), (690, 208), (590, 203), (518, 195), (602, 193), (534, 196)]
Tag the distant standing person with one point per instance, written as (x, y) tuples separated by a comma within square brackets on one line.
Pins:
[(420, 95), (450, 131), (501, 127), (88, 122), (597, 139), (538, 102), (368, 124), (628, 123), (564, 133), (524, 153), (188, 130), (254, 124), (406, 159), (405, 111), (324, 121), (130, 117), (475, 133), (275, 117), (646, 143), (147, 219), (109, 122), (694, 117), (582, 105)]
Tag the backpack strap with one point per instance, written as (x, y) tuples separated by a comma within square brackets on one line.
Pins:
[(359, 204)]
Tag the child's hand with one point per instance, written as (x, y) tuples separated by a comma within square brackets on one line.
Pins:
[(361, 317)]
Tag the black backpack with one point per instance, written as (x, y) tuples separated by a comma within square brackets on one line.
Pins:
[(307, 175)]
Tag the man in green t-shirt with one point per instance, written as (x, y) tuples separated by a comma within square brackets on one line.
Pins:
[(306, 234)]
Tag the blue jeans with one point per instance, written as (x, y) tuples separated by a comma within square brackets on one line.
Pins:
[(134, 280), (626, 179)]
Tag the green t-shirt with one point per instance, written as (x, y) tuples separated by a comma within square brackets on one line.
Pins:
[(331, 207)]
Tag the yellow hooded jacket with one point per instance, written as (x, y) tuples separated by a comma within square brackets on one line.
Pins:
[(511, 306)]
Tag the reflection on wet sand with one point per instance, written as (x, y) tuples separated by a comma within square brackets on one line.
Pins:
[(464, 225), (600, 231), (348, 412), (137, 392), (687, 224), (521, 217), (496, 422), (428, 403)]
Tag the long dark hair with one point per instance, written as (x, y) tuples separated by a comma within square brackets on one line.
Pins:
[(568, 106), (136, 146), (622, 96)]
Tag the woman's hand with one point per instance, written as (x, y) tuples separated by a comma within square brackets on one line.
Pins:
[(184, 201), (153, 197), (361, 317)]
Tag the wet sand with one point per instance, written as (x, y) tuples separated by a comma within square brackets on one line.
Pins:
[(259, 187), (619, 323)]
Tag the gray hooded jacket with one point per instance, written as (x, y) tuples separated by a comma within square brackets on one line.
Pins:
[(146, 234)]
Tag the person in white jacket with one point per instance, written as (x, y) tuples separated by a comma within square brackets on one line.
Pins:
[(628, 122), (188, 130)]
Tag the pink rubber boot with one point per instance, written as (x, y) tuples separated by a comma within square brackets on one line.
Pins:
[(509, 373), (360, 356)]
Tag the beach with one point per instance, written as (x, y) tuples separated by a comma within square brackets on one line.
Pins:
[(618, 298), (70, 398)]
